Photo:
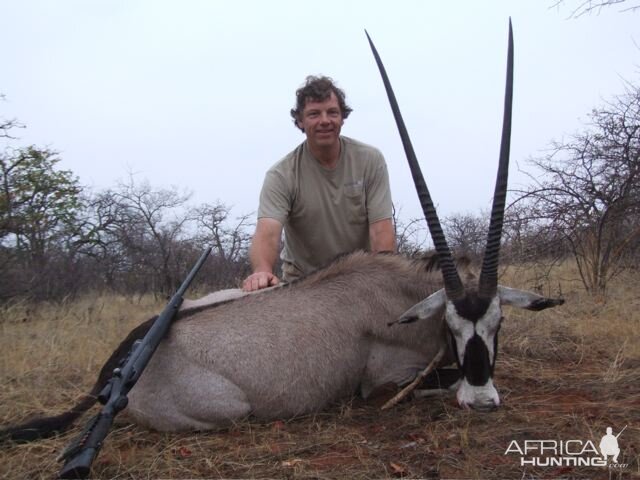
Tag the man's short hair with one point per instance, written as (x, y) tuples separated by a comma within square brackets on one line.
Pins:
[(318, 89)]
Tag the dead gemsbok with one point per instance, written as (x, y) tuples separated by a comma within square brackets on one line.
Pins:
[(296, 349)]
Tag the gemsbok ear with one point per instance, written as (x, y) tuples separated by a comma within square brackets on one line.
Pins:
[(431, 307), (524, 299)]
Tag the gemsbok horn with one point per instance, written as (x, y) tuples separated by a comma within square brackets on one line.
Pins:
[(473, 313)]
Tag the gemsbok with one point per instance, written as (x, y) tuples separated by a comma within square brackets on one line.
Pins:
[(297, 348)]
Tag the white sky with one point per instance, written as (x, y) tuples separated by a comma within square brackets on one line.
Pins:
[(197, 94)]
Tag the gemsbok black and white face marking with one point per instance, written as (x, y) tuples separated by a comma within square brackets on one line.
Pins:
[(473, 324), (473, 314)]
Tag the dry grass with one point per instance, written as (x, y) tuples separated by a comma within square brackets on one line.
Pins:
[(564, 373)]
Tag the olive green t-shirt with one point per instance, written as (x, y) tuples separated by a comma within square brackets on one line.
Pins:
[(325, 212)]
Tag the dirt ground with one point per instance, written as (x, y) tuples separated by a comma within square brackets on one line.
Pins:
[(563, 374)]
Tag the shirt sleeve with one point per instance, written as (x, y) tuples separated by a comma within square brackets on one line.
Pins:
[(379, 205), (275, 197)]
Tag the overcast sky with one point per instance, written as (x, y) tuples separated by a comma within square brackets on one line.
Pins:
[(197, 94)]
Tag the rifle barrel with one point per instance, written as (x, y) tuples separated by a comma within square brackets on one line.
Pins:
[(80, 455), (621, 431)]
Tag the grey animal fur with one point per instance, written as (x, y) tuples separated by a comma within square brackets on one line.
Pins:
[(291, 350)]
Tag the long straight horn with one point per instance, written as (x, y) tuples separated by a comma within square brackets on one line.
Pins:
[(488, 282), (452, 283)]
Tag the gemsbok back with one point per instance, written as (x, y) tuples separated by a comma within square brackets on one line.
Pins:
[(296, 349)]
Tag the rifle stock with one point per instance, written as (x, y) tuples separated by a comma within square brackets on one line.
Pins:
[(79, 455)]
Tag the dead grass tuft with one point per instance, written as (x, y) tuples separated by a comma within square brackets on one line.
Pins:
[(564, 373)]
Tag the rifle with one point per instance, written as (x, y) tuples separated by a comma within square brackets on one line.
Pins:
[(79, 455)]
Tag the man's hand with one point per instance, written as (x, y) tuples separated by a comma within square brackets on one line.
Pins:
[(259, 280)]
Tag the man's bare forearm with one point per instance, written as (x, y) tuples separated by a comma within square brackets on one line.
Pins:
[(382, 236)]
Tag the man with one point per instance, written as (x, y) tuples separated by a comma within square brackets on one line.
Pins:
[(331, 194), (609, 445)]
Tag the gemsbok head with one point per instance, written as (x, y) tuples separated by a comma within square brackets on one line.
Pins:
[(473, 313)]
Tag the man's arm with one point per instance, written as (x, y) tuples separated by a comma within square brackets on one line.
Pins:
[(263, 254), (382, 236)]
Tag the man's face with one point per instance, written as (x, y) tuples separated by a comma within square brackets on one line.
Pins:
[(321, 122)]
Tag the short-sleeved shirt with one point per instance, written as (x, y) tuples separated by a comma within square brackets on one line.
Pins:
[(325, 212)]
